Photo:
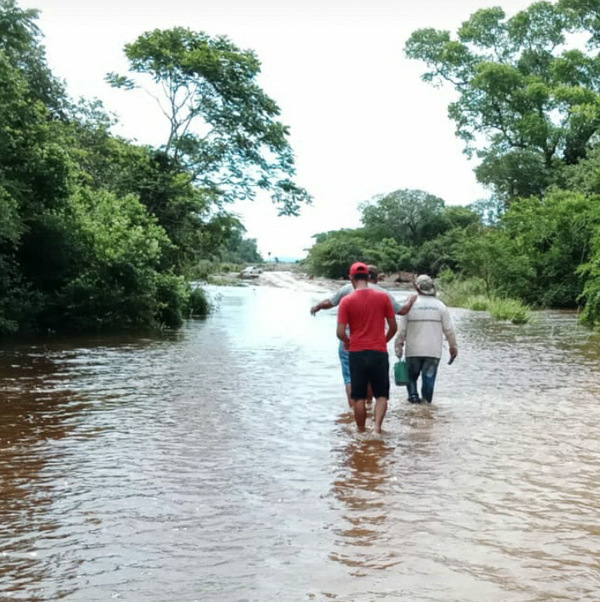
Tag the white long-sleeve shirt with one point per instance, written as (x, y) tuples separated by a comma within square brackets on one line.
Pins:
[(423, 327)]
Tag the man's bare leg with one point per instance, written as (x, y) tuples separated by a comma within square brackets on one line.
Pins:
[(381, 406), (350, 401), (360, 414)]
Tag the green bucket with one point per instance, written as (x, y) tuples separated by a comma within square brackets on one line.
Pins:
[(400, 372)]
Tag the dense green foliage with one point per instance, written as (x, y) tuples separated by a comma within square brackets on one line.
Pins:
[(330, 255), (542, 251), (99, 233), (528, 107), (528, 101), (406, 230)]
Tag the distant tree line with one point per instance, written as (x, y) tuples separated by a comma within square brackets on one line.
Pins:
[(528, 108), (99, 233)]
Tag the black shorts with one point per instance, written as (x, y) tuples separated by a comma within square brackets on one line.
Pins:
[(369, 367)]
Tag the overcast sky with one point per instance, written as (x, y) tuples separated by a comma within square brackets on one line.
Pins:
[(362, 122)]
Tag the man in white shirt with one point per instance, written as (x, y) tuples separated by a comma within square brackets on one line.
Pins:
[(421, 330)]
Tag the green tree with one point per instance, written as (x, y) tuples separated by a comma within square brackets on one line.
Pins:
[(555, 234), (457, 216), (334, 252), (590, 295), (585, 176), (441, 252), (238, 249), (116, 280), (410, 217), (389, 256), (78, 250), (406, 230), (497, 260), (33, 166), (527, 104), (223, 127), (20, 46)]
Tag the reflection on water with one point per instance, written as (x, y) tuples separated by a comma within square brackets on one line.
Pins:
[(364, 468), (220, 463)]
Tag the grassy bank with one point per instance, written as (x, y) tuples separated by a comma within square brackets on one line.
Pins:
[(471, 293)]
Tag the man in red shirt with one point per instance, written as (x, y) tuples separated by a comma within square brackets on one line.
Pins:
[(365, 313)]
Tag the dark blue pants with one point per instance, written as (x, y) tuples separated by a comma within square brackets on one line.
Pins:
[(426, 367)]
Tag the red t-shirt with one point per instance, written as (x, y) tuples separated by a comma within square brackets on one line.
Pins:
[(365, 311)]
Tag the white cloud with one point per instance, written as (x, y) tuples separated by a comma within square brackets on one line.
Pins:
[(362, 122)]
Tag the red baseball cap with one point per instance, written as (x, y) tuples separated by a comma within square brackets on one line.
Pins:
[(358, 268)]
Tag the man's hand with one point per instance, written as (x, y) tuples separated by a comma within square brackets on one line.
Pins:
[(326, 304), (453, 354), (406, 307)]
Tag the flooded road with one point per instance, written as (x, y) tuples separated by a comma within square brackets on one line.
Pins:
[(220, 463)]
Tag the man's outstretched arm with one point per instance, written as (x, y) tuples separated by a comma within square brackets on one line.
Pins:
[(326, 304), (406, 307), (332, 301)]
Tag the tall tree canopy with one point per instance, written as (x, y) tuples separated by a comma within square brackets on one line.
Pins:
[(410, 217), (222, 126), (528, 96), (20, 46)]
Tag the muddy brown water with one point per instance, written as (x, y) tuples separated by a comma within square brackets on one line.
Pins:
[(220, 463)]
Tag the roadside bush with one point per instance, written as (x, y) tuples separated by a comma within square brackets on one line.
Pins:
[(471, 293), (554, 234), (173, 296), (229, 267), (447, 276), (509, 309), (590, 271), (203, 269), (458, 291), (198, 305), (478, 303), (115, 280)]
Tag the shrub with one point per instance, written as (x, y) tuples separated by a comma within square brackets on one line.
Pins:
[(173, 295), (470, 293), (457, 292), (202, 270), (447, 276), (198, 305), (115, 282), (478, 303), (509, 309), (229, 267)]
